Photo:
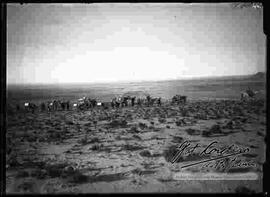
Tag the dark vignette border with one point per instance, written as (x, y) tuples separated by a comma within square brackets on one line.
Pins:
[(266, 30), (3, 14), (3, 100)]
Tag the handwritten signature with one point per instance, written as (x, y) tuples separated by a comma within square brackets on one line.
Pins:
[(217, 157)]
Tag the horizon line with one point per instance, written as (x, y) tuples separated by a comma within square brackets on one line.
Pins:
[(135, 81)]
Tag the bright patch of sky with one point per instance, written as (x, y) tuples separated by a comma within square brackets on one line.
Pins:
[(54, 43)]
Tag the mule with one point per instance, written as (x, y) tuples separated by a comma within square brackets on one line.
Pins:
[(244, 96), (30, 107)]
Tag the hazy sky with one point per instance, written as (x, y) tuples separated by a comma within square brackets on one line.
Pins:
[(48, 43)]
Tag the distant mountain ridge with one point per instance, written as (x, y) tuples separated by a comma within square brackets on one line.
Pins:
[(259, 75)]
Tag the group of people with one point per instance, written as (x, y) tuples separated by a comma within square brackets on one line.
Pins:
[(54, 105), (249, 93), (86, 103), (123, 101), (132, 101), (178, 99)]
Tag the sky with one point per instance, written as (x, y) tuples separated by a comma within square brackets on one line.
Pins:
[(77, 43)]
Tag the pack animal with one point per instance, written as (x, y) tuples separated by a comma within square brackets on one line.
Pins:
[(30, 107)]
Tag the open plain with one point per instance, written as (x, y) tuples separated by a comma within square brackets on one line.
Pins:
[(129, 149)]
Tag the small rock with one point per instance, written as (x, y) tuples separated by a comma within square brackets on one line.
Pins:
[(69, 169), (145, 153)]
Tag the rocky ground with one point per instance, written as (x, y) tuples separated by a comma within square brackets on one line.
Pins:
[(129, 149)]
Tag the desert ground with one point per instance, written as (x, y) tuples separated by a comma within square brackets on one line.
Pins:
[(129, 149)]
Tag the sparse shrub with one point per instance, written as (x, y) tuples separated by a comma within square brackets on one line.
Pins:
[(67, 172), (12, 160), (96, 147), (145, 153), (95, 140), (260, 133), (151, 127), (84, 140), (162, 120), (156, 129), (201, 116), (50, 131), (177, 139), (118, 123), (168, 126), (27, 186), (134, 129), (206, 133), (55, 170), (118, 137), (215, 129), (244, 190), (161, 115), (58, 128), (32, 138), (88, 124), (78, 177), (42, 139), (142, 125), (39, 164), (262, 122), (244, 120), (69, 122), (193, 131), (172, 114), (69, 169), (180, 122), (218, 116), (129, 116), (146, 117), (55, 136), (22, 174), (137, 137), (95, 123), (184, 113), (132, 147), (39, 173)]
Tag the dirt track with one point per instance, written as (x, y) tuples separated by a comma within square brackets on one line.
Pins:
[(128, 149)]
